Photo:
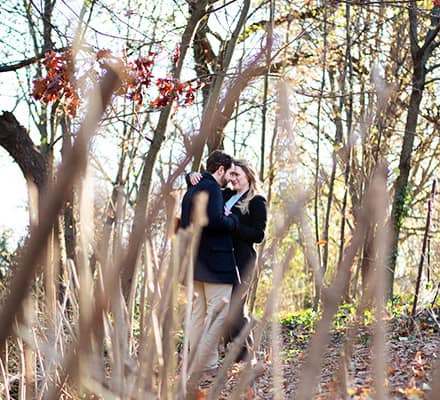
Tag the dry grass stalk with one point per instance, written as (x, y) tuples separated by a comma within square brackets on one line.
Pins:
[(187, 273), (6, 385), (22, 375), (101, 304), (231, 354), (382, 246), (275, 336), (52, 204), (146, 345), (433, 394), (333, 295)]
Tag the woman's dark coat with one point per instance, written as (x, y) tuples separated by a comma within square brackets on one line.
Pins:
[(250, 231)]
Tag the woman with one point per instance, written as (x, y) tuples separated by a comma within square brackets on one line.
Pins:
[(245, 200)]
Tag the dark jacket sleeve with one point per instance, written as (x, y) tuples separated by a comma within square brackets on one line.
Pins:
[(254, 232), (216, 214), (187, 180)]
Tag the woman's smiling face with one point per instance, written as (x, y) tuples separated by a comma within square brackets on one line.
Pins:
[(239, 180)]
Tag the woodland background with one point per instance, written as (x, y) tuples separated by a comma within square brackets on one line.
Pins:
[(110, 103)]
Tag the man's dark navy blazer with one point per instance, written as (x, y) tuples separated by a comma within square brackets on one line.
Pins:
[(215, 262)]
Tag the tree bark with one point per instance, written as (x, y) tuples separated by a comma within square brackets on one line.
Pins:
[(420, 56), (15, 139), (69, 224), (211, 113), (204, 58)]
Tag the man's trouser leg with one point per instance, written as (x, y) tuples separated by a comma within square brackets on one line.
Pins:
[(238, 318), (217, 297)]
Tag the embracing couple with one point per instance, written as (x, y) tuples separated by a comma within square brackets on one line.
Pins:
[(225, 257)]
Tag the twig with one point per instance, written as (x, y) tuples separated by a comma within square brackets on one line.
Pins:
[(425, 241)]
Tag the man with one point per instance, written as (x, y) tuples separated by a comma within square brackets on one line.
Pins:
[(215, 269)]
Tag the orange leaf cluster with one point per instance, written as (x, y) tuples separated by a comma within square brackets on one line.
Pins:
[(137, 78), (57, 84), (170, 90)]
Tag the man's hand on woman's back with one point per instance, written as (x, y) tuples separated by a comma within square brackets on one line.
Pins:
[(195, 177)]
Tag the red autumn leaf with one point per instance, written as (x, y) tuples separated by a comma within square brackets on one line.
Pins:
[(189, 98), (176, 55), (419, 373), (424, 325), (418, 358), (144, 63), (103, 53), (181, 87), (51, 61), (165, 86), (199, 395), (39, 87), (73, 105), (160, 102), (55, 86), (137, 96), (250, 394)]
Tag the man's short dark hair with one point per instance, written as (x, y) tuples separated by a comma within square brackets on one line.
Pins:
[(217, 159)]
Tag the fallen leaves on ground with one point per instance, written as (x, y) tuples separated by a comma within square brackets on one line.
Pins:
[(408, 375)]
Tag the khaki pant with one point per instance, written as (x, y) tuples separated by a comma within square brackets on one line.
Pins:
[(209, 313)]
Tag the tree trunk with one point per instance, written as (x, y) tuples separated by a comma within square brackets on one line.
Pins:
[(318, 157), (337, 109), (204, 58), (211, 113), (420, 56), (15, 139), (198, 13), (68, 210)]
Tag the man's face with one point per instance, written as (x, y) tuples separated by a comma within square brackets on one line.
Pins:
[(228, 175)]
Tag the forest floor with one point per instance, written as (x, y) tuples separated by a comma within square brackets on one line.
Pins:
[(412, 351)]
